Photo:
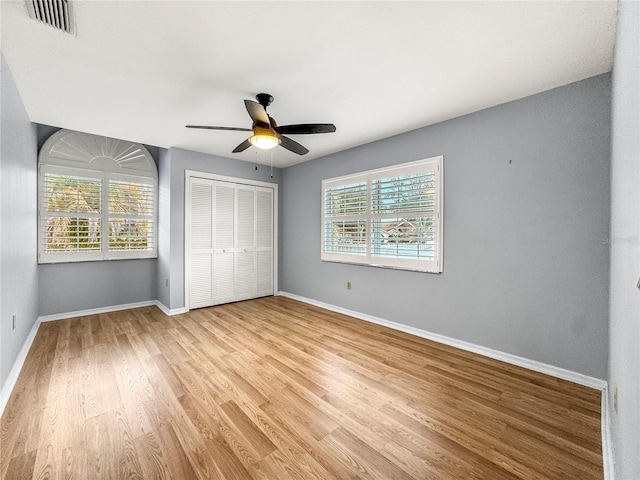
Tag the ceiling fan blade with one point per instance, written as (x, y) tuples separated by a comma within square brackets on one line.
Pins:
[(292, 145), (242, 147), (257, 112), (306, 128), (208, 127)]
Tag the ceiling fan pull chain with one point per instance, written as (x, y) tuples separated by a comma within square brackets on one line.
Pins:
[(271, 151)]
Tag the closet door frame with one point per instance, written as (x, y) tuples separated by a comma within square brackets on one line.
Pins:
[(189, 174)]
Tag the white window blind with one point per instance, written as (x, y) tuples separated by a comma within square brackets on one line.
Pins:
[(97, 199), (345, 224), (390, 217), (131, 216), (73, 219)]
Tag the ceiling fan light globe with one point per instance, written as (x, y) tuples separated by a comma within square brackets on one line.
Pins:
[(264, 142)]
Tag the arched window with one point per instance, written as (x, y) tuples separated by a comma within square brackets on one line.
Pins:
[(98, 199)]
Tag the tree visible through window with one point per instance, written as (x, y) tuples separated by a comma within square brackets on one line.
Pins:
[(73, 206), (387, 217), (98, 199), (130, 211)]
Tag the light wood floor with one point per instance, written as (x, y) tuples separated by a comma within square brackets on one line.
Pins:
[(276, 389)]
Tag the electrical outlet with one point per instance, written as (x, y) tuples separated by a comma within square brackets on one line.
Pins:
[(615, 398), (13, 322), (348, 285)]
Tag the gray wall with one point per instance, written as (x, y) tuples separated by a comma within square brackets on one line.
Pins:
[(71, 287), (525, 214), (18, 219), (624, 327), (171, 222)]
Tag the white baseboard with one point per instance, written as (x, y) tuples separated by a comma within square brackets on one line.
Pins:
[(14, 373), (607, 445), (470, 347), (168, 311), (95, 311), (112, 308)]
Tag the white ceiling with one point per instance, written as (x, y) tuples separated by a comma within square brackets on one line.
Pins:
[(141, 70)]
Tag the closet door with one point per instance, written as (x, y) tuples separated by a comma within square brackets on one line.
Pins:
[(264, 241), (201, 235), (230, 240), (224, 214), (245, 242)]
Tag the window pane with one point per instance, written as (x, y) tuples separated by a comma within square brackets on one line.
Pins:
[(128, 234), (409, 193), (346, 200), (72, 234), (130, 198), (69, 194), (346, 237), (409, 238)]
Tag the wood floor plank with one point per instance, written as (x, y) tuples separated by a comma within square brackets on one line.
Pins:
[(177, 457), (447, 457), (275, 389), (21, 467), (249, 430), (57, 455), (226, 463), (153, 463)]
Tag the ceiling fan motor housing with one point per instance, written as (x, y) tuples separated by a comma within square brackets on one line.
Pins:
[(264, 99)]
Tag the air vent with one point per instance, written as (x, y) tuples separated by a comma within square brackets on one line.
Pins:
[(55, 13)]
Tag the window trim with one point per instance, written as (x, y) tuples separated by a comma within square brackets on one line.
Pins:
[(109, 167), (433, 164)]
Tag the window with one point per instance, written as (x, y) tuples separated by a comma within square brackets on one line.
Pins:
[(98, 199), (389, 217)]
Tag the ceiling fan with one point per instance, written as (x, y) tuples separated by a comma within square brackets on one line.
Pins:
[(266, 133)]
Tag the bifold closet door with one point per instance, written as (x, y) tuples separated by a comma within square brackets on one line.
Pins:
[(201, 239), (232, 248), (245, 275), (224, 220), (264, 241)]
